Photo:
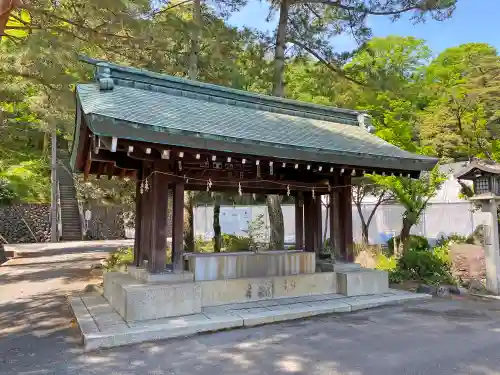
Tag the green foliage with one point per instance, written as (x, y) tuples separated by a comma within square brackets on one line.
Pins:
[(234, 243), (427, 266), (430, 267), (256, 233), (39, 67), (389, 264), (413, 195), (119, 258), (454, 238), (202, 246), (7, 194), (419, 243), (254, 241), (124, 256), (28, 180)]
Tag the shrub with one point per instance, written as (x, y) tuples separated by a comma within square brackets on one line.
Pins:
[(123, 256), (202, 246), (389, 264), (418, 243), (431, 267), (455, 238), (428, 266), (232, 242)]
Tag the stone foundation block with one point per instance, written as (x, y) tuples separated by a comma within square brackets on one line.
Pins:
[(222, 292), (164, 277), (304, 285), (137, 300), (223, 266), (362, 282)]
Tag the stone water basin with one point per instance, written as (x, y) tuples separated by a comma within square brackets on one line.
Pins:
[(243, 264)]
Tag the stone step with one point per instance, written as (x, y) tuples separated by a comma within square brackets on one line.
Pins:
[(102, 327)]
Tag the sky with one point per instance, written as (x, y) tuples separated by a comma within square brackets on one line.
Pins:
[(473, 21)]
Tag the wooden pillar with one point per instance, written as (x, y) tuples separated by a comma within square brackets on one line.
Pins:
[(308, 222), (138, 222), (145, 216), (178, 227), (345, 208), (336, 234), (299, 221), (159, 200), (318, 224)]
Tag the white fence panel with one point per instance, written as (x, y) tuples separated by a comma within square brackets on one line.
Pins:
[(439, 219)]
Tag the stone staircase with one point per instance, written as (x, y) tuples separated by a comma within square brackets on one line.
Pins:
[(70, 215)]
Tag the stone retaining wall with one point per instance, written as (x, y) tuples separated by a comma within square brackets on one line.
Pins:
[(34, 228), (106, 222), (468, 262)]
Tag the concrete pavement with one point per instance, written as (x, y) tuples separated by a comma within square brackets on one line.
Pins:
[(436, 337)]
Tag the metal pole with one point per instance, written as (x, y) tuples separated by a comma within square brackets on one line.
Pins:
[(53, 203)]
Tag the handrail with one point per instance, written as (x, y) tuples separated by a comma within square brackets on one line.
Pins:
[(59, 215)]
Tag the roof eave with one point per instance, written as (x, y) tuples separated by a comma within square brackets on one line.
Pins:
[(132, 131)]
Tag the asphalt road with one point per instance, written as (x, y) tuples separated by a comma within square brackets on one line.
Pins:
[(37, 336)]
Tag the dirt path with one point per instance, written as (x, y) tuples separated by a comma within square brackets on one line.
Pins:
[(35, 321)]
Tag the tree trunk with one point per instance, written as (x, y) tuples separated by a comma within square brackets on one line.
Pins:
[(364, 226), (404, 237), (277, 228), (6, 7), (364, 233), (279, 50), (276, 225), (45, 145), (217, 229), (195, 41), (193, 74), (188, 221), (3, 258)]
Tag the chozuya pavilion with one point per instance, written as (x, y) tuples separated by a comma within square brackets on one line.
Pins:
[(166, 132)]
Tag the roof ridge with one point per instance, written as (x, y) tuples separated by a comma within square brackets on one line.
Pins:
[(123, 75)]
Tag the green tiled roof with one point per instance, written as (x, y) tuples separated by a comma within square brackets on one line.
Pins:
[(214, 118)]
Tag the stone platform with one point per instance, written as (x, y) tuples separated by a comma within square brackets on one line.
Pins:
[(102, 327), (138, 295)]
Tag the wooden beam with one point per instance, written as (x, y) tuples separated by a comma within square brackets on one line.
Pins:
[(178, 227), (119, 160)]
